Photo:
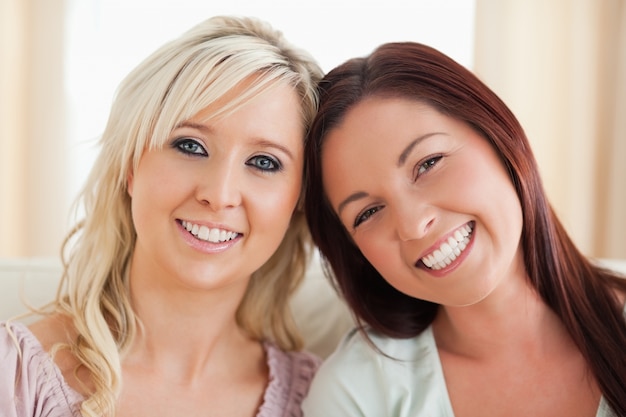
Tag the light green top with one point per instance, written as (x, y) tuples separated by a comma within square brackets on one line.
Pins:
[(356, 380)]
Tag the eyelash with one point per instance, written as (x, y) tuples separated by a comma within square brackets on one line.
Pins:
[(275, 163), (365, 215), (426, 165), (192, 147), (182, 145)]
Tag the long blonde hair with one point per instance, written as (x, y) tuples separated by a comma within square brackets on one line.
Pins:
[(173, 84)]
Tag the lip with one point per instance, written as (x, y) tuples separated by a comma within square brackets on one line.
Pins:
[(206, 246), (454, 264)]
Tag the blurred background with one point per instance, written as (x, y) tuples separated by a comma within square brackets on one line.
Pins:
[(560, 65)]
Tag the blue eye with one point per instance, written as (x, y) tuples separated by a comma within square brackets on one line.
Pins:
[(189, 146), (365, 215), (264, 163)]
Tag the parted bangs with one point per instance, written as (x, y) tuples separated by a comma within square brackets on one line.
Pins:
[(178, 81)]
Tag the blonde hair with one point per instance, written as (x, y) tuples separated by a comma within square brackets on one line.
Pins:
[(173, 84)]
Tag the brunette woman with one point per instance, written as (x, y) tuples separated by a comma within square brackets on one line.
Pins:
[(472, 300)]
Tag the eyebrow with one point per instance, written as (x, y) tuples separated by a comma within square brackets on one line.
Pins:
[(265, 143), (193, 125), (405, 153), (352, 197)]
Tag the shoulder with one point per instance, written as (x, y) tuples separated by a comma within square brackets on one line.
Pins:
[(290, 375), (16, 340), (372, 351), (379, 376), (21, 348), (604, 410), (30, 383)]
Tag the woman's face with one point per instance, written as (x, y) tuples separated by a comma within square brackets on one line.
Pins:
[(214, 203), (425, 198)]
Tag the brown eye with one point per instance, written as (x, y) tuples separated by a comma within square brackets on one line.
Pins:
[(427, 164), (363, 216)]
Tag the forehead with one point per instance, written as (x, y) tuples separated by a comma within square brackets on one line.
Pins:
[(376, 115), (250, 90), (381, 123)]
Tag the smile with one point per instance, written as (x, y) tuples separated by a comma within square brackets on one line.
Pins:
[(450, 249), (207, 234)]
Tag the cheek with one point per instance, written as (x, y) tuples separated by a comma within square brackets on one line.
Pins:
[(154, 189), (470, 183), (488, 192), (386, 260), (382, 254), (276, 202), (481, 181)]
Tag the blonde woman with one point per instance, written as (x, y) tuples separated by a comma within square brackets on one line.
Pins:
[(174, 294)]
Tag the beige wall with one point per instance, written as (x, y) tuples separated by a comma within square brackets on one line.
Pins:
[(33, 204), (559, 65)]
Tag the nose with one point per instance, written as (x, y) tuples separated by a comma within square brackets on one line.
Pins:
[(220, 186), (413, 220)]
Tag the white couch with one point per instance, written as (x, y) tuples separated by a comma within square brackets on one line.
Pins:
[(318, 311), (322, 317)]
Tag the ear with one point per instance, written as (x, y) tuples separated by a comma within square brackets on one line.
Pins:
[(129, 182)]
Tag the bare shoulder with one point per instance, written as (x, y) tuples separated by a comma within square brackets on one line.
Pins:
[(52, 330), (57, 331)]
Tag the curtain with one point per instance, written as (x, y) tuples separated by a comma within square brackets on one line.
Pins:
[(32, 126), (561, 67), (559, 64)]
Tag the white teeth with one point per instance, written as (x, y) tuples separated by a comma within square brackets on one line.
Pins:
[(449, 250), (446, 249), (203, 233), (208, 234)]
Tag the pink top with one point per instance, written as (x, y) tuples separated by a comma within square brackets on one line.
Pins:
[(42, 391)]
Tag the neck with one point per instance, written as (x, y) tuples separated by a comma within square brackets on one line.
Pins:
[(184, 331), (511, 321)]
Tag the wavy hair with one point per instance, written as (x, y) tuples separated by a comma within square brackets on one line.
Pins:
[(580, 292), (173, 84)]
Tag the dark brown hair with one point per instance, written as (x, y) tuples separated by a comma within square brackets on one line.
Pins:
[(581, 293)]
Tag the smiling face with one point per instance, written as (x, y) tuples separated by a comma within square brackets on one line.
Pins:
[(214, 203), (425, 198)]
